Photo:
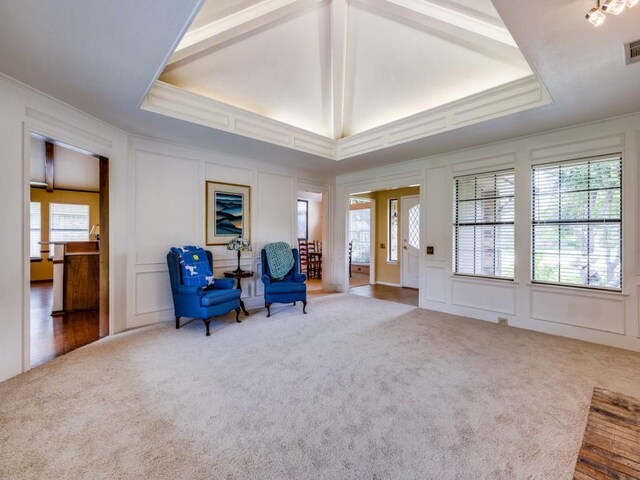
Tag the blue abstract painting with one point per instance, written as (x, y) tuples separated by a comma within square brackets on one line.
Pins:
[(229, 214)]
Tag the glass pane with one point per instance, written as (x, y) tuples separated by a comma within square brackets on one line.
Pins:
[(35, 234), (577, 225), (68, 222), (414, 226), (360, 235), (303, 218), (484, 224), (393, 230)]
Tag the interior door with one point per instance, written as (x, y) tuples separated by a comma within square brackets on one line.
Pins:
[(410, 225)]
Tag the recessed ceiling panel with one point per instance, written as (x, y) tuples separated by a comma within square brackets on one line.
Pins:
[(421, 69), (343, 77), (280, 71)]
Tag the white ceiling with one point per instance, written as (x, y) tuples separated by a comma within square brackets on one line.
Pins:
[(73, 170), (102, 57), (282, 60)]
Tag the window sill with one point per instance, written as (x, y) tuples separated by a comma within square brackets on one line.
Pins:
[(481, 279), (576, 290)]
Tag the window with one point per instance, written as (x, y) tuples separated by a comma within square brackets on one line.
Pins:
[(303, 219), (35, 226), (484, 224), (577, 223), (392, 253), (360, 230), (68, 222)]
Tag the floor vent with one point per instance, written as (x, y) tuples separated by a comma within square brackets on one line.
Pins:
[(632, 52)]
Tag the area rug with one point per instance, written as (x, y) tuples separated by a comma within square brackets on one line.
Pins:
[(357, 389), (611, 443)]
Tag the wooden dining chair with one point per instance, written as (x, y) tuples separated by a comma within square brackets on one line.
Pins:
[(304, 256)]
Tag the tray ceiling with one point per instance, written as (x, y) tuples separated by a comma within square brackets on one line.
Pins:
[(339, 78)]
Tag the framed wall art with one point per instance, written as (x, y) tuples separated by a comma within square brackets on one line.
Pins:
[(228, 212)]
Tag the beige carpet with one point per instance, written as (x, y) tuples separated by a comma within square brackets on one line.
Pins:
[(358, 388)]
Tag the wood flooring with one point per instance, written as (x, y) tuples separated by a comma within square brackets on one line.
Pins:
[(611, 443), (54, 336), (407, 296)]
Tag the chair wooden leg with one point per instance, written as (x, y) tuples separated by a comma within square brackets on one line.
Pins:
[(268, 305), (238, 310), (207, 321), (304, 307), (177, 322)]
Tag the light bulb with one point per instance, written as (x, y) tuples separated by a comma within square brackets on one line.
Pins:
[(596, 17), (614, 7)]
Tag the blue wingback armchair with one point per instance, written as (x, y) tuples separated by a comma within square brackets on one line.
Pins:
[(196, 302), (290, 289)]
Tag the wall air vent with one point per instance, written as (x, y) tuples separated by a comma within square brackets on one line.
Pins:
[(632, 52)]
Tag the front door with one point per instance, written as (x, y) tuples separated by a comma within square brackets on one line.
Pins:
[(410, 222)]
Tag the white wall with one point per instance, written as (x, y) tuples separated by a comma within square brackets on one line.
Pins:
[(167, 185), (157, 200), (23, 110), (603, 317)]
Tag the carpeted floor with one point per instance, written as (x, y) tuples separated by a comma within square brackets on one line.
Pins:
[(358, 388)]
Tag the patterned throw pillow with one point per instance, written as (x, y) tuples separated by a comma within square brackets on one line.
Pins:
[(195, 265)]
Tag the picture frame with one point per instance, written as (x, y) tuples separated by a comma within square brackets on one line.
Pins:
[(228, 212)]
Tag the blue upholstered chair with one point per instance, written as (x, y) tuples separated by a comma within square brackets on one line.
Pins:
[(196, 302), (290, 289)]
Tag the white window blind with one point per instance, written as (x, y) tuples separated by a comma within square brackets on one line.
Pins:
[(577, 223), (68, 222), (484, 224), (35, 229)]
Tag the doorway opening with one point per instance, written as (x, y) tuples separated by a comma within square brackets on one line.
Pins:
[(310, 236), (394, 246), (68, 248)]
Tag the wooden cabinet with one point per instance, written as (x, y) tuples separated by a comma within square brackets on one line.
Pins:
[(81, 277)]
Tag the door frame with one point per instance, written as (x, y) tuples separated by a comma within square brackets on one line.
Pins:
[(303, 186), (86, 145), (372, 237), (402, 219)]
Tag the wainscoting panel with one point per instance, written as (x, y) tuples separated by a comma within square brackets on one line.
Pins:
[(493, 296), (153, 292), (436, 281), (167, 200), (594, 312)]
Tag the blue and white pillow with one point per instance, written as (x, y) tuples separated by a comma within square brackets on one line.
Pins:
[(195, 265)]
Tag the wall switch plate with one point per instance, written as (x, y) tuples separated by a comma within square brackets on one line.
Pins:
[(430, 250), (503, 321)]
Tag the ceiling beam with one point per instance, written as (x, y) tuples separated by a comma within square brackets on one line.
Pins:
[(338, 65), (458, 27), (498, 33), (236, 24), (48, 165)]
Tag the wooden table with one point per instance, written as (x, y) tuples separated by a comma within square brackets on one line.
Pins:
[(239, 276)]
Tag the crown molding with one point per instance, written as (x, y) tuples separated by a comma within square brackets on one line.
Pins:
[(500, 101)]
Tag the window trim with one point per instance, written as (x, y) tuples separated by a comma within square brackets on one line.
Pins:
[(569, 161), (485, 172)]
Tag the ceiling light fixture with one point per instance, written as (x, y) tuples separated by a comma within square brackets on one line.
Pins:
[(614, 7), (597, 15)]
